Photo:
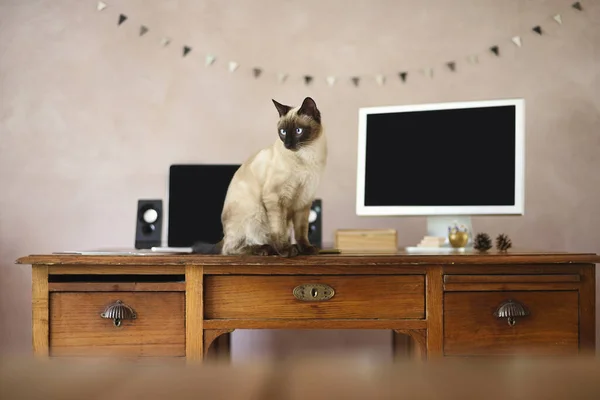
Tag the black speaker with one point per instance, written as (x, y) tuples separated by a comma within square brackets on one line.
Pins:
[(148, 225), (315, 224)]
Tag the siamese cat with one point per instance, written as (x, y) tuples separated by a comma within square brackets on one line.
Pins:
[(272, 192)]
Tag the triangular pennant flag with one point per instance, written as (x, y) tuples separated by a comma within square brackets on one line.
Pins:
[(558, 19), (403, 76), (495, 50), (233, 66), (577, 6), (256, 72), (355, 80), (308, 79), (209, 60), (473, 59), (537, 29), (122, 18), (143, 30), (281, 77), (451, 65), (427, 72), (380, 79), (186, 50), (165, 41), (517, 40), (331, 80), (101, 6)]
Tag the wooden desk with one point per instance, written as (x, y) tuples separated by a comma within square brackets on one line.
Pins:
[(176, 306)]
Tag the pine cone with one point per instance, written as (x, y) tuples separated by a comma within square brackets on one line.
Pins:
[(503, 243), (482, 242)]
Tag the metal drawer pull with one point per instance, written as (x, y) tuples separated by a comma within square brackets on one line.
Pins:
[(511, 309), (313, 292), (118, 311)]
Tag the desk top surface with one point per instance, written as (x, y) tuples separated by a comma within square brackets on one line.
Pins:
[(366, 258)]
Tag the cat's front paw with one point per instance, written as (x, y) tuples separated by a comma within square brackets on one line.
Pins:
[(287, 250), (308, 250), (305, 248), (264, 250)]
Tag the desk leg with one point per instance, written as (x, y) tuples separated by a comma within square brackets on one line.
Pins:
[(217, 344), (40, 310), (194, 313), (410, 344), (434, 311), (587, 310), (223, 347)]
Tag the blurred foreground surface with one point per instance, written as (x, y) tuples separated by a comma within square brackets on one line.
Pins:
[(312, 378)]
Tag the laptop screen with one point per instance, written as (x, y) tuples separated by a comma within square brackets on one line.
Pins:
[(196, 196)]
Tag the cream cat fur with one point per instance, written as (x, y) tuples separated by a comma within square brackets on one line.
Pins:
[(271, 193)]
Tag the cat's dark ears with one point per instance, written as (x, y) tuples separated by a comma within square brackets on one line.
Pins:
[(282, 109), (309, 107)]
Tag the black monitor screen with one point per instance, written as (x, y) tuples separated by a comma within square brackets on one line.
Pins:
[(196, 196), (455, 157)]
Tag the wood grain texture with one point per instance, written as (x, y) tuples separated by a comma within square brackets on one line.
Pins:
[(476, 287), (447, 301), (76, 328), (471, 329), (116, 287), (366, 259), (131, 360), (314, 323), (497, 268), (504, 278), (194, 311), (114, 269), (587, 304), (435, 316), (39, 308), (366, 240), (356, 297), (352, 269)]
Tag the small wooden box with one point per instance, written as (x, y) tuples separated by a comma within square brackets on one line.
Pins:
[(371, 240)]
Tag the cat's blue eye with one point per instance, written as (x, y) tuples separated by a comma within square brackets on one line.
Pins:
[(298, 131), (282, 131)]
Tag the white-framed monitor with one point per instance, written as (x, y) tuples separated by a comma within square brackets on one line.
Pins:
[(446, 161)]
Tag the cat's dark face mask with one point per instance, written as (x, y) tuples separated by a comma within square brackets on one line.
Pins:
[(294, 135), (296, 131)]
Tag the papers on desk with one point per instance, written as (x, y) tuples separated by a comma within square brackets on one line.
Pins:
[(129, 252), (432, 241)]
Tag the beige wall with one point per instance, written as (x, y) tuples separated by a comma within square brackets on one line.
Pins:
[(92, 115)]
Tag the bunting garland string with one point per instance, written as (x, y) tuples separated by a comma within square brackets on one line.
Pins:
[(380, 79)]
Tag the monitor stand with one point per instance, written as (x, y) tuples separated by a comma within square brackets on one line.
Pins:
[(437, 225)]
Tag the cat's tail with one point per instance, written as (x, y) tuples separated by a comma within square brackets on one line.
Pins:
[(207, 248)]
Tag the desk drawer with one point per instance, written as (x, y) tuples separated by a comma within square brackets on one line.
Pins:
[(550, 328), (354, 297), (77, 328)]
